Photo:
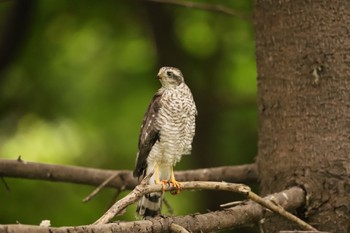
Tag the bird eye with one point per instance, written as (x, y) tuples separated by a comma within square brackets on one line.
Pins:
[(169, 73)]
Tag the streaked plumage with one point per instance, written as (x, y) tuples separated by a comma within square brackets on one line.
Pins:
[(167, 133)]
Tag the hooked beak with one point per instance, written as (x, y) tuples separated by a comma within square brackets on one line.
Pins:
[(159, 76)]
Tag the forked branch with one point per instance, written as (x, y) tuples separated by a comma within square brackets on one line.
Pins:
[(143, 189), (235, 217)]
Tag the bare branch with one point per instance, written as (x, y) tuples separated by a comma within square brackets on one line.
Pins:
[(205, 6), (124, 179), (143, 189), (101, 186), (61, 173), (7, 187), (247, 173), (272, 205), (235, 217), (170, 210)]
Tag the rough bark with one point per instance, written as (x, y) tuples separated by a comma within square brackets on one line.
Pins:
[(303, 57), (235, 217)]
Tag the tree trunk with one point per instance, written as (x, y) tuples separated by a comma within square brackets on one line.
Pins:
[(303, 58)]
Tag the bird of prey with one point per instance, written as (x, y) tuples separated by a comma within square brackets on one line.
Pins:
[(167, 133)]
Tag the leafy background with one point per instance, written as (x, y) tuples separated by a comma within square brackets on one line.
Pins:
[(80, 81)]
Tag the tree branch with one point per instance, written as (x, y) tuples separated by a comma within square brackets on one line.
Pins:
[(124, 179), (62, 173), (101, 186), (235, 217), (205, 6), (143, 189)]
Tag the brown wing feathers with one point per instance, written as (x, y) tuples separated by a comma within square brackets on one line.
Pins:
[(148, 136)]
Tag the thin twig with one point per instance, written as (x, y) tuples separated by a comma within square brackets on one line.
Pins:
[(7, 187), (231, 204), (101, 186), (205, 6), (170, 210), (143, 189), (176, 228)]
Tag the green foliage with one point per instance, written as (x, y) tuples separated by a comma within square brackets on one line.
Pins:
[(79, 87)]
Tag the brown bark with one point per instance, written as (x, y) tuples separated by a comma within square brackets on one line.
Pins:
[(235, 217), (303, 56), (124, 178), (119, 207)]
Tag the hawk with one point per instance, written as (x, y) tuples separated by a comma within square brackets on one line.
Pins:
[(167, 133)]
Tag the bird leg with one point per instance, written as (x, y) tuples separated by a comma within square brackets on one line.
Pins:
[(156, 178), (176, 184)]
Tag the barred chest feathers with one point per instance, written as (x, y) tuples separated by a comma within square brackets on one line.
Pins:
[(176, 119)]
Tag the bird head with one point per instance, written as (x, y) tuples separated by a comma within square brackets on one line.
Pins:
[(170, 77)]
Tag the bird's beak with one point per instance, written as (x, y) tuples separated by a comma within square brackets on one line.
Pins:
[(159, 76)]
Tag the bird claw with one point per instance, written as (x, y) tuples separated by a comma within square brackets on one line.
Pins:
[(176, 185), (171, 182), (163, 183)]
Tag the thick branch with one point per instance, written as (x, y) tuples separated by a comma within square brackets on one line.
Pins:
[(235, 217), (62, 173), (92, 176)]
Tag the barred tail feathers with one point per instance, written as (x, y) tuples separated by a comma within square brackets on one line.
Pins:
[(150, 205)]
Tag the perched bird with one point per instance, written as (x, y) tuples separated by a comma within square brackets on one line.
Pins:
[(167, 133)]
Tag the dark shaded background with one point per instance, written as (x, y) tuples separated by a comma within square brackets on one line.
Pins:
[(76, 78)]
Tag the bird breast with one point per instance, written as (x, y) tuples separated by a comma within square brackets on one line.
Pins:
[(176, 121)]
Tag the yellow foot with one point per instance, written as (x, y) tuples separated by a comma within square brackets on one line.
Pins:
[(163, 183), (176, 185), (157, 180)]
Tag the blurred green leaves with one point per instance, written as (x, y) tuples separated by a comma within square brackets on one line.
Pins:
[(33, 136), (196, 36), (77, 92)]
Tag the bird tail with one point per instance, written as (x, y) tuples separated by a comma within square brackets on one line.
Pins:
[(150, 205)]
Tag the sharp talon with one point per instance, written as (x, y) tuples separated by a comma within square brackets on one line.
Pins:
[(176, 185), (172, 182), (163, 183)]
